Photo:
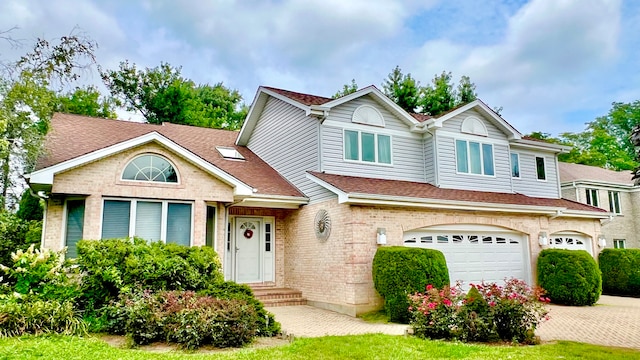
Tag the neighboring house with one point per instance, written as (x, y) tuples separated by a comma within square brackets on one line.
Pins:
[(310, 187), (613, 191)]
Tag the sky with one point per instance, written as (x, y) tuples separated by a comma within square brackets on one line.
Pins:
[(552, 65)]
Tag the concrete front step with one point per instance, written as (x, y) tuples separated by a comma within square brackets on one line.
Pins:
[(279, 296)]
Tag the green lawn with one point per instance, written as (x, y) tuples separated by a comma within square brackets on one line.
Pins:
[(330, 347)]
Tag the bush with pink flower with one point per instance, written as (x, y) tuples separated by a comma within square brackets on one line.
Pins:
[(488, 312)]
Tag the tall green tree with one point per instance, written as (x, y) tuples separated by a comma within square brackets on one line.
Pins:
[(635, 139), (88, 101), (162, 94), (466, 91), (439, 96), (403, 89), (347, 89), (28, 99)]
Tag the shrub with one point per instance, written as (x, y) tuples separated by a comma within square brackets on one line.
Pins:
[(229, 290), (17, 234), (18, 317), (120, 265), (487, 312), (399, 271), (620, 271), (41, 274), (182, 317), (570, 277)]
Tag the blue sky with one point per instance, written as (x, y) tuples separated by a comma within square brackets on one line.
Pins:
[(551, 64)]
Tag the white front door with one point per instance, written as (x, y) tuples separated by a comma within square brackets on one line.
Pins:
[(248, 246)]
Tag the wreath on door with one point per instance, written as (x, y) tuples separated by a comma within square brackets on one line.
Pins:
[(248, 233)]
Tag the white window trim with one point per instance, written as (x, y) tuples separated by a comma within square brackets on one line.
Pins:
[(63, 239), (375, 142), (617, 241), (163, 222), (544, 163), (151, 181), (493, 157), (589, 199), (614, 194), (511, 165)]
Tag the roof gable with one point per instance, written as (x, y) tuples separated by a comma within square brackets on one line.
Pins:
[(486, 112)]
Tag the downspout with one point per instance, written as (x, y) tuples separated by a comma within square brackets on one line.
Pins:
[(577, 192)]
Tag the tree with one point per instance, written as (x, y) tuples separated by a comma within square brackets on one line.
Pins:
[(635, 138), (347, 89), (161, 94), (30, 208), (402, 89), (440, 96), (86, 101), (28, 99), (466, 91)]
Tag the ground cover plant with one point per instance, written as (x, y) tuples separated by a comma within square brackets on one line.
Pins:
[(488, 312), (356, 347)]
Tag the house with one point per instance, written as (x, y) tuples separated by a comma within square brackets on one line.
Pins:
[(311, 186), (613, 191)]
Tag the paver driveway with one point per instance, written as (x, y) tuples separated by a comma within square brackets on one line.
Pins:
[(614, 321)]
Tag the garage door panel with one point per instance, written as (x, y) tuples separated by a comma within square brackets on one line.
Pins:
[(474, 257)]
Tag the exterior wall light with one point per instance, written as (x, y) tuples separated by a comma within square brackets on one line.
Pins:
[(382, 236), (543, 240), (602, 241)]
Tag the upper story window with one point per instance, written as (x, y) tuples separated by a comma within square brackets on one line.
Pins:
[(541, 170), (614, 202), (368, 115), (367, 147), (150, 168), (474, 157), (592, 197), (515, 165), (473, 125)]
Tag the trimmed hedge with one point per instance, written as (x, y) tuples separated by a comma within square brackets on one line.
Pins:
[(570, 277), (620, 271), (399, 271)]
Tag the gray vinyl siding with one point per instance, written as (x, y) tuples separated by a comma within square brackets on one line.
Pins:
[(454, 124), (429, 160), (450, 179), (287, 140), (406, 153), (528, 183), (344, 113)]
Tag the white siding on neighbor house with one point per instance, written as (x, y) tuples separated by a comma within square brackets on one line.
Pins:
[(528, 183), (429, 160), (450, 179), (407, 157), (287, 140)]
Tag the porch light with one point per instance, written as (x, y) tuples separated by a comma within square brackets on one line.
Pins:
[(543, 240), (382, 236), (602, 241)]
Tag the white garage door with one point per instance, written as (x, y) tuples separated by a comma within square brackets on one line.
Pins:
[(570, 241), (476, 253)]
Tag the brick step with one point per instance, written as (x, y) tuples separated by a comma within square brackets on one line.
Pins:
[(279, 296)]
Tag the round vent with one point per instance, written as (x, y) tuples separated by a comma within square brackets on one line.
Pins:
[(367, 114), (322, 225)]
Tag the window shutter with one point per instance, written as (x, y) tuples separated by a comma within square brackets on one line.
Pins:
[(179, 224), (115, 219)]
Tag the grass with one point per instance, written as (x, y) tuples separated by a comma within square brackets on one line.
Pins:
[(377, 317), (372, 346)]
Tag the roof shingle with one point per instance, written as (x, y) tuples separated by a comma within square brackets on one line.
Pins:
[(576, 172), (72, 136), (409, 189)]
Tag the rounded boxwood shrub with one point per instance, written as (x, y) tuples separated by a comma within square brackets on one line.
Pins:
[(570, 277), (620, 271), (399, 271)]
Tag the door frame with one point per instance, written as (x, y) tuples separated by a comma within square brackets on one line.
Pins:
[(230, 256)]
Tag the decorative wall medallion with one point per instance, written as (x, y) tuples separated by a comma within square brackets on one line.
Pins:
[(322, 225)]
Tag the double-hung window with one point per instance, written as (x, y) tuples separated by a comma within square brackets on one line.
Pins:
[(367, 147), (614, 202), (515, 165), (474, 158), (151, 220), (592, 197)]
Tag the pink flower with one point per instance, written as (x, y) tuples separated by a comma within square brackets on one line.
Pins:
[(432, 305), (492, 303), (429, 287), (447, 302)]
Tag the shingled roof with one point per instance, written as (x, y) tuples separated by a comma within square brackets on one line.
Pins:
[(577, 172), (72, 136), (409, 189)]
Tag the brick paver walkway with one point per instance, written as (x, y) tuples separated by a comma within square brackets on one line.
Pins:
[(614, 321)]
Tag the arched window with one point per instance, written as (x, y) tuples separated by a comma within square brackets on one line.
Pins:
[(150, 168)]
